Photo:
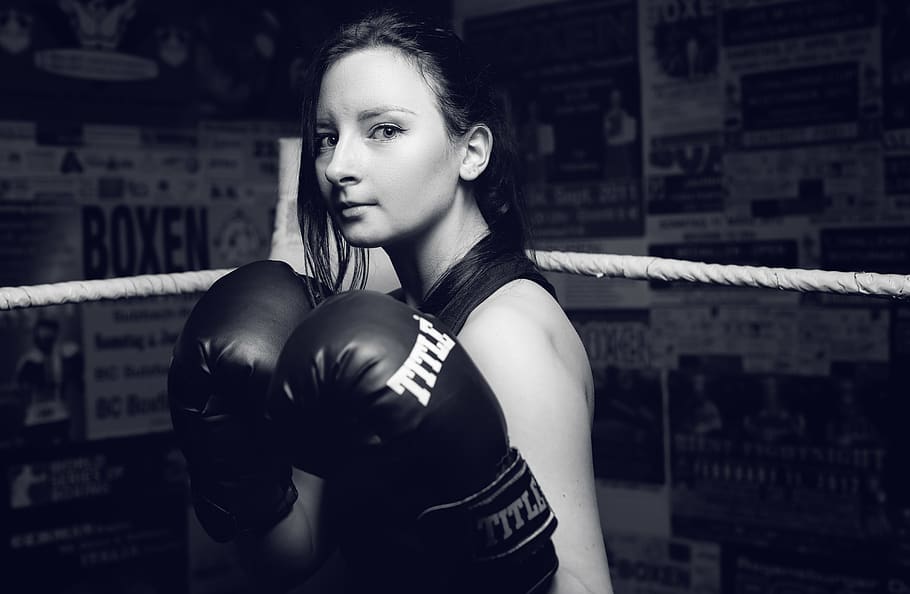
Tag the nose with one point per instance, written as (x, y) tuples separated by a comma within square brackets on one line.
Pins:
[(343, 166)]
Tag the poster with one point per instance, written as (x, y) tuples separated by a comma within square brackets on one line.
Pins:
[(102, 517), (641, 564), (94, 201), (570, 73), (786, 462), (116, 61), (628, 430), (128, 345), (681, 100), (802, 109), (42, 377), (754, 572), (39, 243)]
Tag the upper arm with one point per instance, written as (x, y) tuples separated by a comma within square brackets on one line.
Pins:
[(544, 400)]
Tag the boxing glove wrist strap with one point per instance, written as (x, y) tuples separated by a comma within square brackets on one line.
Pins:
[(509, 520), (255, 512)]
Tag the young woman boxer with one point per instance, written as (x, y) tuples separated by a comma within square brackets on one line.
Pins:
[(405, 148)]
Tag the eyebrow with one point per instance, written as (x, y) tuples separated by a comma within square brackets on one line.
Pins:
[(382, 109), (371, 113)]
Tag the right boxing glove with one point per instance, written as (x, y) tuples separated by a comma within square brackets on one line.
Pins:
[(380, 398), (222, 363)]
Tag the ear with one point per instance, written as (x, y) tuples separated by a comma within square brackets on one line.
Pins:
[(478, 145)]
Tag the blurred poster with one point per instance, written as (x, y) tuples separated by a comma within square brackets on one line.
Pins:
[(128, 345), (42, 377), (681, 106), (760, 572), (885, 250), (628, 434), (104, 517), (795, 340), (787, 462), (896, 80), (39, 243), (899, 450), (802, 88), (896, 104), (239, 161), (571, 77), (119, 60), (641, 564)]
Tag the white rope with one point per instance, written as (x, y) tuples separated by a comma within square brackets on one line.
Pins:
[(597, 265), (666, 269), (148, 285)]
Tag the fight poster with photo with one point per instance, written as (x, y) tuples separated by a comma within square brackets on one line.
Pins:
[(681, 106), (570, 73), (102, 517), (802, 89), (642, 564), (788, 462), (42, 377), (628, 429)]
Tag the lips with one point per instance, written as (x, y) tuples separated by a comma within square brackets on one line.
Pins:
[(353, 209)]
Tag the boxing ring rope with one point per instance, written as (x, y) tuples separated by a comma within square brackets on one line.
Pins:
[(587, 264)]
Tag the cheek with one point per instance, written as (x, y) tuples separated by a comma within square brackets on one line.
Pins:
[(426, 169)]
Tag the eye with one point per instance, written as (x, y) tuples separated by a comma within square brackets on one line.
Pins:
[(385, 132), (325, 141)]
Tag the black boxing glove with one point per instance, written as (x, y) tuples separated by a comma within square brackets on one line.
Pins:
[(219, 373), (368, 382)]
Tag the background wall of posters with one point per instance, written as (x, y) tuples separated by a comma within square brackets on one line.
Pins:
[(770, 133), (746, 440)]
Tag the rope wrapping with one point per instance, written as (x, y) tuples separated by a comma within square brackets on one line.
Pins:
[(586, 264), (667, 269), (148, 285)]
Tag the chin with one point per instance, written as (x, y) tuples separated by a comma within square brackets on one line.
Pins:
[(363, 240)]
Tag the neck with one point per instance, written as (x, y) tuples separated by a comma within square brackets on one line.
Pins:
[(420, 262)]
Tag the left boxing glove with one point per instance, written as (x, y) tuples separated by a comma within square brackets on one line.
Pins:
[(222, 363), (382, 399)]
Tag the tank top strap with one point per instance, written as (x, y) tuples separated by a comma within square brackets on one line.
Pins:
[(453, 305)]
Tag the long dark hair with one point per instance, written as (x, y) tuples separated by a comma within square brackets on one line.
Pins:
[(466, 98)]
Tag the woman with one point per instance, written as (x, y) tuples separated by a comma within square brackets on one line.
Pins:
[(405, 149)]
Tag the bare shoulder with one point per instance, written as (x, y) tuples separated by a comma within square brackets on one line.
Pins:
[(534, 361), (522, 326)]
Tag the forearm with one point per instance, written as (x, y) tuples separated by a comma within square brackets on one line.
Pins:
[(566, 582), (295, 548), (285, 556)]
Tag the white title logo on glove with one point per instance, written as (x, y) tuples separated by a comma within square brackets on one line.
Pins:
[(425, 362)]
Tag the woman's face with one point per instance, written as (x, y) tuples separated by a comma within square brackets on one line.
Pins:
[(384, 162)]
